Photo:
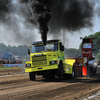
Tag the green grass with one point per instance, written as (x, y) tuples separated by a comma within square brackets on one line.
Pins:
[(9, 67)]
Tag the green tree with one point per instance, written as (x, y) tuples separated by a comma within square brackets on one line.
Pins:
[(20, 50), (72, 52), (3, 48), (98, 56)]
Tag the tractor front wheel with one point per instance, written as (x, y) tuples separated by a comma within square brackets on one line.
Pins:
[(32, 76), (60, 70)]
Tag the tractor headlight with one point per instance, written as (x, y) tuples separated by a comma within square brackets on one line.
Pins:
[(53, 62), (28, 65)]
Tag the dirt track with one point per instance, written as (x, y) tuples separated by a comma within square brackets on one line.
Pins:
[(11, 71), (19, 87)]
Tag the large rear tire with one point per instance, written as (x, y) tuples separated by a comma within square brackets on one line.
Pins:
[(60, 70), (92, 71), (32, 76), (95, 70)]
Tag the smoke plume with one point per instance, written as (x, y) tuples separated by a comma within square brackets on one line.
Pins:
[(3, 8), (19, 18), (15, 26), (71, 15), (41, 14)]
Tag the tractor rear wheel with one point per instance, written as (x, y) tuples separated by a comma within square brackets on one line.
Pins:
[(95, 70)]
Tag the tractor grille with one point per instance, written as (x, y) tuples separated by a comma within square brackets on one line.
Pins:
[(39, 60)]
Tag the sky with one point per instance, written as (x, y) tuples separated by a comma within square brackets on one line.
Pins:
[(18, 31)]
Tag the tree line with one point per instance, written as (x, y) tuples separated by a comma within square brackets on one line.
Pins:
[(20, 50)]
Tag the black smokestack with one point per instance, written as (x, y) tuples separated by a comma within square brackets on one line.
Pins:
[(41, 14)]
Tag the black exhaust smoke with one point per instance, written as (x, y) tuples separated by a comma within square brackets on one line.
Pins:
[(71, 15), (49, 15), (41, 14), (3, 8)]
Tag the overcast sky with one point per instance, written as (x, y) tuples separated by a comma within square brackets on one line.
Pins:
[(23, 33)]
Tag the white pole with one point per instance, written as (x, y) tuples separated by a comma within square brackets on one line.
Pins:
[(9, 58), (63, 38)]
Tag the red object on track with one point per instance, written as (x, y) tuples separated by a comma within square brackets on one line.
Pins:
[(84, 70)]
